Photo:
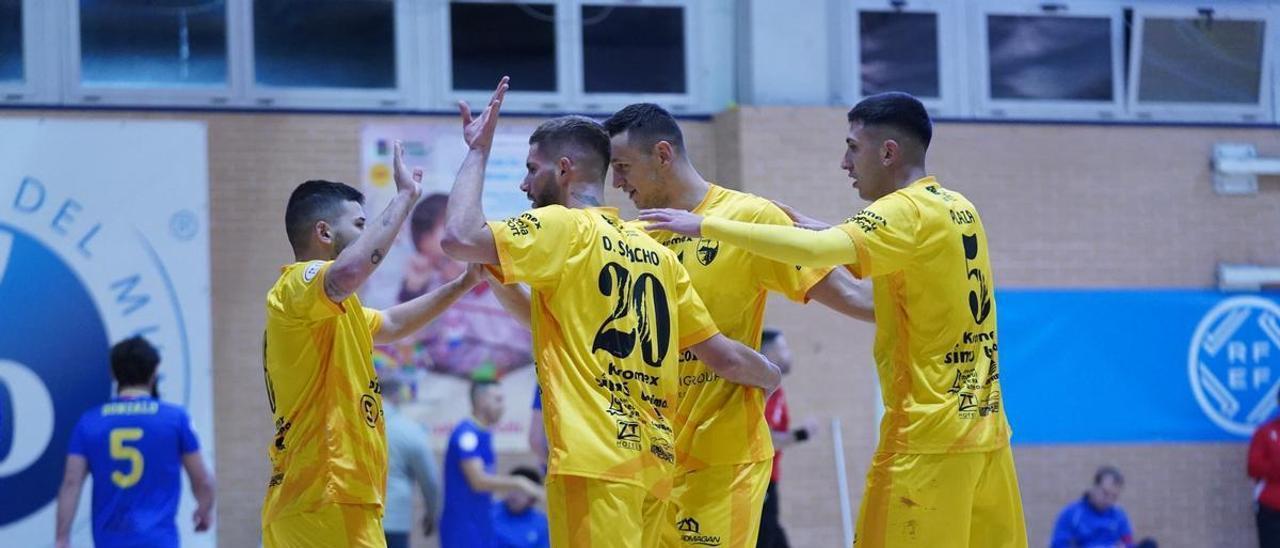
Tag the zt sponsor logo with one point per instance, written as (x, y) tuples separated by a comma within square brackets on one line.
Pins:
[(707, 251), (968, 405), (629, 435), (1233, 360), (691, 533), (979, 292)]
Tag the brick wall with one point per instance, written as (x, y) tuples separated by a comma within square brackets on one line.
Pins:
[(1080, 206), (1064, 206)]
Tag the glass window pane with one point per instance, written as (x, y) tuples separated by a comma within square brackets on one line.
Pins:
[(325, 44), (144, 43), (617, 41), (1201, 61), (11, 41), (492, 40), (1050, 58), (899, 52)]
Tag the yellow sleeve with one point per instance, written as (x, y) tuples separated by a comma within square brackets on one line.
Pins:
[(373, 317), (884, 234), (300, 295), (694, 322), (534, 246), (787, 244), (789, 279)]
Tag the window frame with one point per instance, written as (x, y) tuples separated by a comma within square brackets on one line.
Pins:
[(400, 98), (987, 106), (847, 63), (516, 100), (1259, 113), (39, 84), (694, 61), (78, 93)]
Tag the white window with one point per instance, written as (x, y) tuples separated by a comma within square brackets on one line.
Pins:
[(1048, 61), (629, 51), (485, 40), (155, 53), (910, 46), (27, 52), (1201, 64), (342, 54)]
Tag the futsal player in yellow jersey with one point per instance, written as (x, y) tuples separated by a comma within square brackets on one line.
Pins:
[(724, 451), (943, 474), (611, 311), (329, 454)]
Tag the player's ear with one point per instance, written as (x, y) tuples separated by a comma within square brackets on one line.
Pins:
[(891, 152), (563, 166), (665, 153), (324, 232)]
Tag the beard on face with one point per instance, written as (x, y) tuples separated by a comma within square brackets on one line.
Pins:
[(542, 193)]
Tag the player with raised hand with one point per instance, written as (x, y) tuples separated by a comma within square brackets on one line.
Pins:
[(610, 311), (329, 453)]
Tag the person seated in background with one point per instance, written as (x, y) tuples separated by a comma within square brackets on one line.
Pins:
[(1096, 520), (517, 523)]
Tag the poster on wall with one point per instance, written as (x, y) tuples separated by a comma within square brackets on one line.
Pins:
[(103, 235), (1138, 366), (475, 338)]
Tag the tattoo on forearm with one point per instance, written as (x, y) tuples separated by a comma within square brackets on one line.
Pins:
[(586, 199), (376, 257)]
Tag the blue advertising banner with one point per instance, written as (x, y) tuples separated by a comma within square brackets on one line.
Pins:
[(1138, 366)]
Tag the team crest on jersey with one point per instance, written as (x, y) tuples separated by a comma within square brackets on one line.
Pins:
[(312, 269), (707, 251)]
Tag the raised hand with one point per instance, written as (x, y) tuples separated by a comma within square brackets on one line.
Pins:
[(675, 220), (478, 131), (801, 220), (406, 180)]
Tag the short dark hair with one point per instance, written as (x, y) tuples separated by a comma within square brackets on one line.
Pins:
[(427, 215), (312, 201), (768, 336), (527, 473), (1108, 471), (897, 110), (646, 124), (580, 137), (134, 361), (480, 385)]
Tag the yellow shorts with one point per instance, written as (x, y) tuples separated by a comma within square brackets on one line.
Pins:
[(718, 506), (337, 525), (938, 501), (588, 512)]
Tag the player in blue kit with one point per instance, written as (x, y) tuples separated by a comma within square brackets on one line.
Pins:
[(134, 446)]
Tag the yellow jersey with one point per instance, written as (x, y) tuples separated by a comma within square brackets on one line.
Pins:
[(936, 349), (611, 309), (720, 422), (330, 442)]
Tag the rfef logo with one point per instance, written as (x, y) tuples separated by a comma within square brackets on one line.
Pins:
[(1234, 363)]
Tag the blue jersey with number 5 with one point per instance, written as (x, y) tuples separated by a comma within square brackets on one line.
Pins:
[(134, 448)]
